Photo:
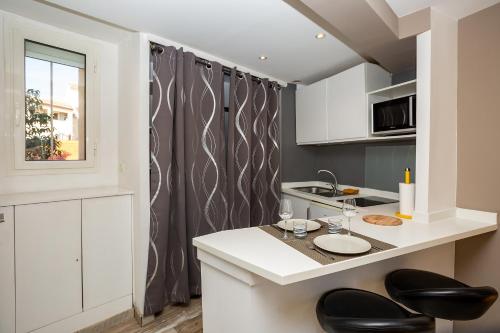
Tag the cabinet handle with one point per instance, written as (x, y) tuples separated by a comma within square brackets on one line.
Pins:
[(2, 218), (307, 213), (77, 259)]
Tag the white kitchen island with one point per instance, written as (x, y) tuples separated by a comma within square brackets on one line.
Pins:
[(255, 283)]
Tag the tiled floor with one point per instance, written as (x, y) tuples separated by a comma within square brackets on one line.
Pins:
[(174, 319)]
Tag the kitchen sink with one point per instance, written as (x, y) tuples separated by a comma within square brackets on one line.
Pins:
[(323, 191)]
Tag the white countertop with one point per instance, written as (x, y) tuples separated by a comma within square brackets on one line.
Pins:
[(15, 199), (258, 252)]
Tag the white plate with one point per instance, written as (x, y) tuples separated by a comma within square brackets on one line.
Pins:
[(311, 225), (343, 244)]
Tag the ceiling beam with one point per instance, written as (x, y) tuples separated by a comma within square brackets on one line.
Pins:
[(370, 28)]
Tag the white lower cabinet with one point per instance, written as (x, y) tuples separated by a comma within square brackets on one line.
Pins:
[(48, 263), (300, 206), (317, 210), (7, 283), (307, 209), (68, 265), (107, 248)]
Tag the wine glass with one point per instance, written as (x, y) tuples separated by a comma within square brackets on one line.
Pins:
[(349, 210), (286, 212)]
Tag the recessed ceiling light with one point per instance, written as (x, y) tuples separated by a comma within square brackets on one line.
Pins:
[(263, 57), (320, 35), (297, 81)]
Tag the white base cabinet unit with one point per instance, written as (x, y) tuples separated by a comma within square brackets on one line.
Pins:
[(336, 109), (7, 283), (318, 210), (72, 259), (106, 237), (300, 206), (48, 263), (310, 210)]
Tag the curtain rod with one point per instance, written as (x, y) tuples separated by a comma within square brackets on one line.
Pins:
[(156, 48), (227, 71)]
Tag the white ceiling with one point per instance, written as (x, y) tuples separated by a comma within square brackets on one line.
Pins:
[(454, 8), (236, 30)]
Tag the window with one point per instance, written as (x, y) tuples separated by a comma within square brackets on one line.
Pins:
[(53, 86), (54, 103)]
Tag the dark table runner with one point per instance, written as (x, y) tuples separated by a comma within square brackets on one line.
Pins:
[(302, 245)]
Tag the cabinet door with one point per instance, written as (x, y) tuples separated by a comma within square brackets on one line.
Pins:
[(318, 210), (346, 104), (311, 118), (107, 249), (7, 284), (300, 206), (48, 263)]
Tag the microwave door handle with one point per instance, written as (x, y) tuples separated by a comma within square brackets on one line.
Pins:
[(404, 115), (411, 111), (373, 119)]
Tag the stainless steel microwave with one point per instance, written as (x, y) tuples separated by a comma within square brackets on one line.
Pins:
[(395, 117)]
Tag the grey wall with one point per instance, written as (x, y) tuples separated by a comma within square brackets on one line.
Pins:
[(371, 165), (407, 75), (384, 164), (297, 162)]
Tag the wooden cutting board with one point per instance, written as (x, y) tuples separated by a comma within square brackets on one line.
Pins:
[(382, 220)]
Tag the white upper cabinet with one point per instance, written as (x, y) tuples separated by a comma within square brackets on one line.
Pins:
[(339, 103), (311, 126), (346, 103)]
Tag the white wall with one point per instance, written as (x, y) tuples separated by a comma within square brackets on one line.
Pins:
[(106, 171), (134, 148)]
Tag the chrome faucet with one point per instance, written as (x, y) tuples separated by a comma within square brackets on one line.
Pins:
[(335, 183)]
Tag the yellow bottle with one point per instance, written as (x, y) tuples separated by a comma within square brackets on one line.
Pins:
[(407, 176)]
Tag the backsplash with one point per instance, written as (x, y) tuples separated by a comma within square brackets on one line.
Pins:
[(373, 165), (385, 164)]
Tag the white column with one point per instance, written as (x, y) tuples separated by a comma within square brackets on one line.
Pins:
[(436, 164)]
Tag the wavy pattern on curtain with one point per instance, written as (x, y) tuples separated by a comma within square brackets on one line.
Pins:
[(253, 151), (197, 184)]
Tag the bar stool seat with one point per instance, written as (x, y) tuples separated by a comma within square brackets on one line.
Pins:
[(352, 310), (439, 296)]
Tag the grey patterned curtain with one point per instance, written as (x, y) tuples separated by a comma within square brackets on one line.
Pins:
[(253, 151), (197, 184)]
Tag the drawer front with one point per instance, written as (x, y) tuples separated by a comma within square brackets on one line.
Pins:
[(318, 210)]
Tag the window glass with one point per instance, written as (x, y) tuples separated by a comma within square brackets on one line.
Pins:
[(54, 103)]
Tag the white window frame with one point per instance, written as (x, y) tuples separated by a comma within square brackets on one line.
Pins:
[(14, 39)]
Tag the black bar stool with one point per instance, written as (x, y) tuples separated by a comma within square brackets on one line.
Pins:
[(439, 296), (352, 310)]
